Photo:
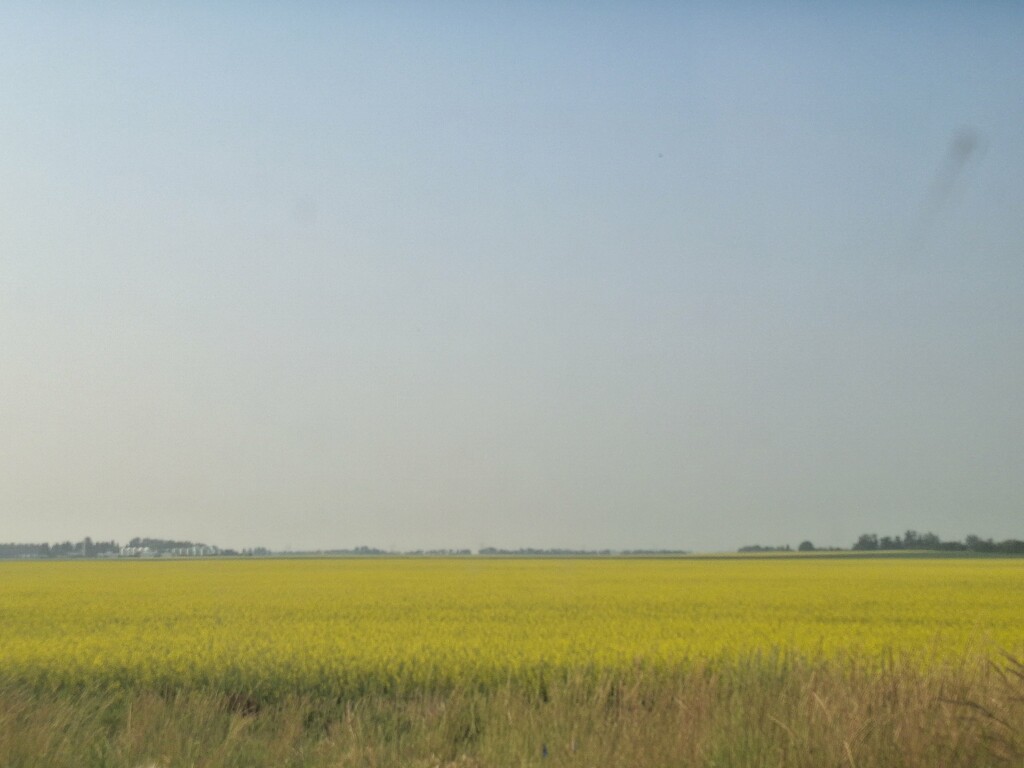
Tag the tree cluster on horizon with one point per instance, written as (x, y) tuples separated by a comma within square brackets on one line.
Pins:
[(914, 541), (911, 541)]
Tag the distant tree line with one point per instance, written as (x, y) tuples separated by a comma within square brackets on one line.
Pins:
[(135, 548), (360, 550), (161, 545), (561, 552), (654, 552), (805, 546), (140, 547), (440, 552), (536, 552), (912, 540), (909, 541), (84, 548), (155, 547)]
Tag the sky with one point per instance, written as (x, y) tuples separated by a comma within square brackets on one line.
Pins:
[(519, 274)]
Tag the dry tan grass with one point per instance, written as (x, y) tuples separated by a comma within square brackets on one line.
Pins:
[(812, 715)]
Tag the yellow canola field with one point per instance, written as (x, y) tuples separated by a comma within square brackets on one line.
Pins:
[(351, 626)]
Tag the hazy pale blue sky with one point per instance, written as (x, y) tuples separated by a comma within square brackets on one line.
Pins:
[(520, 274)]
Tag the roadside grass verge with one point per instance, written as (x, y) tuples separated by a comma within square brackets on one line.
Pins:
[(811, 714)]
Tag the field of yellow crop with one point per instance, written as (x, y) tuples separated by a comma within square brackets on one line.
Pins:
[(276, 626)]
